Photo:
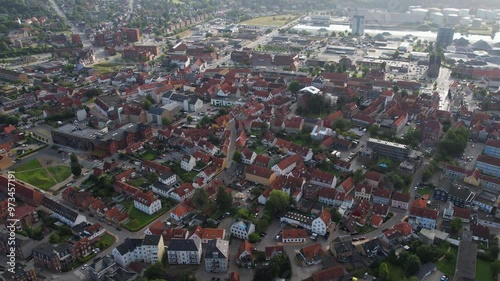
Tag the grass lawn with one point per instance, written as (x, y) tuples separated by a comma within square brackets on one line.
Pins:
[(30, 165), (184, 34), (137, 182), (483, 270), (278, 20), (260, 149), (424, 191), (148, 156), (60, 173), (448, 266), (38, 178), (106, 67), (177, 2), (107, 240), (139, 219), (395, 272)]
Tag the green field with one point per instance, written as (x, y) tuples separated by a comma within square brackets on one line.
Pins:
[(148, 156), (35, 174), (278, 20), (483, 270), (448, 266), (424, 191), (260, 149), (30, 165), (137, 182), (106, 67), (60, 173)]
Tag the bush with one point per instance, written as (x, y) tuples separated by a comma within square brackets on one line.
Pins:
[(448, 256)]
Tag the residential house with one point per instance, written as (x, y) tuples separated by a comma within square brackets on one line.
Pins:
[(217, 256), (488, 165), (188, 162), (271, 251), (248, 156), (336, 273), (149, 249), (373, 179), (55, 258), (260, 175), (343, 251), (423, 217), (480, 232), (180, 212), (400, 200), (313, 254), (208, 234), (346, 186), (147, 203), (182, 192), (459, 195), (492, 148), (430, 132), (363, 192), (380, 209), (184, 251), (244, 256), (293, 236), (321, 224), (285, 166), (242, 229), (381, 196), (62, 213), (322, 179)]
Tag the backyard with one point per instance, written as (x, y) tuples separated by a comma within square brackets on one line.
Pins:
[(260, 149), (139, 219), (425, 190), (278, 20), (483, 270), (395, 272), (106, 241), (35, 174), (148, 155), (448, 266)]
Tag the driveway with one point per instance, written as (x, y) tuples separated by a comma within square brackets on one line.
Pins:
[(434, 276)]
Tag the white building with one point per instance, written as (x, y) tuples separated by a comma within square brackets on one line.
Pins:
[(182, 192), (320, 224), (188, 162), (217, 256), (147, 203), (184, 251), (167, 178), (150, 249), (242, 229)]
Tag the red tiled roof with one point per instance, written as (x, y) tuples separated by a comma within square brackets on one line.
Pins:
[(259, 171), (423, 212), (374, 176), (376, 220), (326, 217), (287, 162), (461, 213), (272, 249), (327, 192), (294, 233), (332, 273), (480, 231), (405, 228), (488, 160), (402, 197), (380, 192)]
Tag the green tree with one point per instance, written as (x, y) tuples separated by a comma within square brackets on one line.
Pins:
[(456, 225), (412, 265), (153, 177), (373, 129), (341, 124), (237, 157), (155, 271), (294, 86), (281, 265), (146, 105), (12, 120), (277, 202), (189, 119), (383, 272), (165, 121), (336, 216), (224, 199), (200, 198), (358, 176), (453, 143), (253, 238), (263, 273), (76, 168), (54, 238)]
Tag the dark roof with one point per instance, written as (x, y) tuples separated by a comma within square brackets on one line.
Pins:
[(151, 240), (217, 248), (182, 245), (128, 245), (57, 208)]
